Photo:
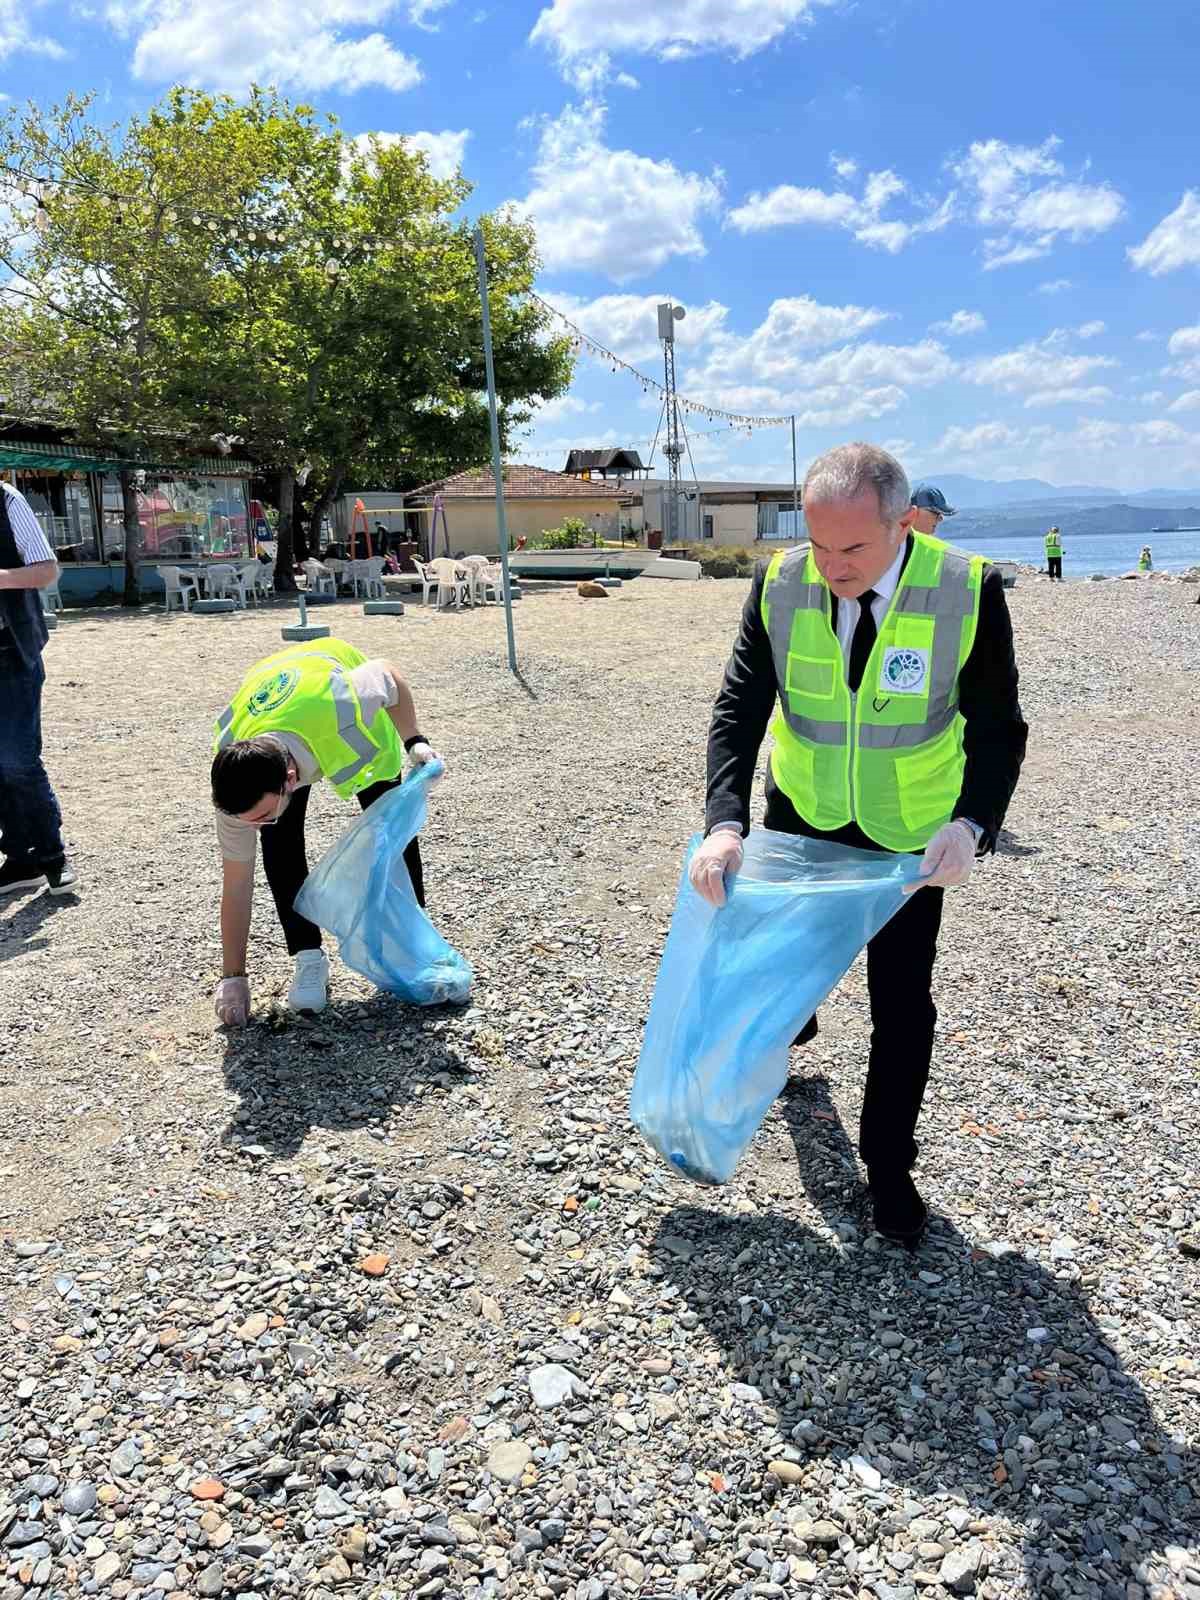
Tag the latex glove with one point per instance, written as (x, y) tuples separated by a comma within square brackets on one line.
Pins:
[(719, 854), (421, 754), (232, 1003), (948, 859)]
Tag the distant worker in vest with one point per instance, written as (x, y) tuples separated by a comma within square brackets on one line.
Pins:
[(929, 509), (898, 728), (318, 710), (30, 820), (1054, 554), (1145, 559)]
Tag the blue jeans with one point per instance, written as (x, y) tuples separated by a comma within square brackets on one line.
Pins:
[(30, 821)]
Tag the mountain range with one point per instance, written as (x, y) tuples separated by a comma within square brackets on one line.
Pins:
[(971, 494)]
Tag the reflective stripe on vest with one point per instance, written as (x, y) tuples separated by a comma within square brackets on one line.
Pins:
[(838, 767)]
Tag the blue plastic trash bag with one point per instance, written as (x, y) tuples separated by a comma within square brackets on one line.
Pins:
[(737, 984), (360, 890)]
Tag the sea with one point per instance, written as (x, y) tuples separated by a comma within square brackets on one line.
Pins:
[(1108, 553)]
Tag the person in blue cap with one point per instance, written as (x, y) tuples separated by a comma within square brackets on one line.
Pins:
[(930, 505)]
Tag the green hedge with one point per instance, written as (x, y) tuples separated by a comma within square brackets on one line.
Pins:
[(722, 561)]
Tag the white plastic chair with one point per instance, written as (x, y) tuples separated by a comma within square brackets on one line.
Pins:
[(320, 579), (452, 582), (492, 577), (248, 579), (52, 599), (370, 574), (264, 579), (221, 582), (180, 586), (475, 567)]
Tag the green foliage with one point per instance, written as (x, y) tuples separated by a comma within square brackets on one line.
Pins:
[(240, 268), (722, 561), (572, 534)]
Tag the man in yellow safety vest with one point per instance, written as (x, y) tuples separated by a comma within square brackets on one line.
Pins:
[(1054, 555), (898, 728), (315, 710)]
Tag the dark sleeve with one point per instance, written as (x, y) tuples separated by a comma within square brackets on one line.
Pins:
[(740, 716), (995, 734)]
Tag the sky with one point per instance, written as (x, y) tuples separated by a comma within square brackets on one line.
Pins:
[(969, 233)]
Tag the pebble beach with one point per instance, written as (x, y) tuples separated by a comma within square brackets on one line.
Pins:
[(396, 1303)]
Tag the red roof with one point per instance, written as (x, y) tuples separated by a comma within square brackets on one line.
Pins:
[(520, 483)]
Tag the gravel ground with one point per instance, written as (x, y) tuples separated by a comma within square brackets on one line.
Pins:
[(397, 1303)]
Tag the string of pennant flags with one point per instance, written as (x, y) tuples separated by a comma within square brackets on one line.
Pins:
[(269, 233)]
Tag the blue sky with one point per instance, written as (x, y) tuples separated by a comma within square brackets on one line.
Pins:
[(968, 232)]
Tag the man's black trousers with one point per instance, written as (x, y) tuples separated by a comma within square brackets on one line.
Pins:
[(899, 979), (1055, 565), (286, 865)]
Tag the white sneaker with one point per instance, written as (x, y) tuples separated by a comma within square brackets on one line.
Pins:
[(310, 986)]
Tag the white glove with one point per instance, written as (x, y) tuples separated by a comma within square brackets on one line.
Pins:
[(421, 754), (948, 859), (232, 1003), (719, 854)]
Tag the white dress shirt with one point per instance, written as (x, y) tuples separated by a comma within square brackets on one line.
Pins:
[(27, 531), (849, 611)]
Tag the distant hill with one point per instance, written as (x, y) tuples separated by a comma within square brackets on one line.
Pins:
[(1015, 521), (970, 494)]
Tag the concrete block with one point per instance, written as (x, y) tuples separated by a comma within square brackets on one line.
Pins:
[(50, 620), (383, 608), (320, 599), (298, 632), (610, 583), (208, 608)]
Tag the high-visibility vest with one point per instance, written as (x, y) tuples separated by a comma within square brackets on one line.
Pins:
[(1145, 562), (891, 756), (1053, 544), (306, 690)]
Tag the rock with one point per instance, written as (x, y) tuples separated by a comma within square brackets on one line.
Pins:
[(960, 1568), (207, 1489), (330, 1504), (107, 1568), (253, 1328), (353, 1546), (587, 590), (211, 1581), (865, 1472), (124, 1459), (632, 1570), (396, 1500), (553, 1385), (79, 1498), (29, 1249), (786, 1471), (375, 1265), (508, 1460)]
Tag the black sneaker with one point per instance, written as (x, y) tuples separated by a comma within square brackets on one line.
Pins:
[(807, 1033), (900, 1213), (17, 875), (61, 878)]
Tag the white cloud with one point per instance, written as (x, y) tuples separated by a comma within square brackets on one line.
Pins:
[(563, 406), (443, 151), (1174, 243), (1184, 348), (627, 324), (962, 322), (1184, 402), (16, 33), (626, 80), (299, 44), (1036, 369), (611, 211), (1055, 286), (667, 28), (1147, 337), (843, 166), (957, 441), (1008, 194), (1092, 449), (1151, 397), (1094, 394), (420, 11), (787, 205), (1159, 433), (1090, 330)]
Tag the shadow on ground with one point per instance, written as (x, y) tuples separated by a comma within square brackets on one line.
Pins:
[(350, 1070), (19, 933), (1053, 1433)]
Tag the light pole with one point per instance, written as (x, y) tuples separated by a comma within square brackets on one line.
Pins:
[(668, 316)]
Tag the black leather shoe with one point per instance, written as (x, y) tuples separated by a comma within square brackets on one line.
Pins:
[(808, 1032), (900, 1213)]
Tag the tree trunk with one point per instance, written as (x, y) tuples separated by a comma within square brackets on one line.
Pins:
[(285, 550), (324, 500), (132, 595)]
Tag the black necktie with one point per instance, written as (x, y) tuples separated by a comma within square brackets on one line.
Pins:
[(864, 638)]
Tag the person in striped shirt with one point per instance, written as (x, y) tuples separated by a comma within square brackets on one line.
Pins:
[(30, 820)]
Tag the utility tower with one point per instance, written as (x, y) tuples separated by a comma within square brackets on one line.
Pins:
[(668, 316)]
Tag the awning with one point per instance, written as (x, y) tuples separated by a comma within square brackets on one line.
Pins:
[(66, 458)]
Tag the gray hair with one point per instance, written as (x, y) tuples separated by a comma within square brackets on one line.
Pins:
[(844, 472)]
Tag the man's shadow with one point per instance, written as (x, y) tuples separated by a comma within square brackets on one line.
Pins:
[(349, 1068), (17, 932), (1048, 1431)]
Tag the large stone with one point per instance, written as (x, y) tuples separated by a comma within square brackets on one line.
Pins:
[(383, 608), (508, 1460), (297, 635), (589, 590), (553, 1385), (960, 1568), (214, 608)]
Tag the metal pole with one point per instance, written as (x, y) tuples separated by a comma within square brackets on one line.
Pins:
[(795, 486), (497, 470)]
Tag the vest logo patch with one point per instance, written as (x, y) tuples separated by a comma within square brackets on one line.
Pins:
[(904, 671), (273, 692)]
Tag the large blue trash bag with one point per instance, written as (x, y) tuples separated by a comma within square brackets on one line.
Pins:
[(737, 984), (360, 890)]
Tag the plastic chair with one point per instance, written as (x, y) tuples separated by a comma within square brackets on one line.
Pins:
[(264, 580), (320, 579), (429, 579), (492, 577), (221, 582), (370, 576), (452, 581), (52, 599), (475, 567), (180, 586), (247, 575)]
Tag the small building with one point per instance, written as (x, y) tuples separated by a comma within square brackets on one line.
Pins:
[(191, 508), (534, 500), (729, 513), (604, 464)]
